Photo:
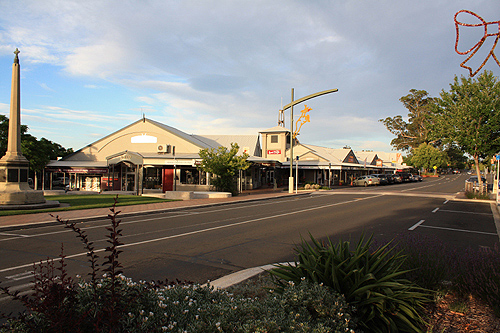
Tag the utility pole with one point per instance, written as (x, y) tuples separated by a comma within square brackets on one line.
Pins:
[(290, 106)]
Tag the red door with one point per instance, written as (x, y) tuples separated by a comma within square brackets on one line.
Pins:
[(168, 180)]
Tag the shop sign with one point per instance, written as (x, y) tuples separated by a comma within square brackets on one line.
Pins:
[(81, 170), (274, 152)]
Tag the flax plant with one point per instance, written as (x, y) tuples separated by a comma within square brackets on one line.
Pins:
[(370, 280)]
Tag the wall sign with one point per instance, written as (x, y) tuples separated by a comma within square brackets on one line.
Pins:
[(274, 152)]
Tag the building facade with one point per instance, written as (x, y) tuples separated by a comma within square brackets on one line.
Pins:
[(150, 156)]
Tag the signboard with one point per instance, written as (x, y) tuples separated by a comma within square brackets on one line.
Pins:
[(274, 152)]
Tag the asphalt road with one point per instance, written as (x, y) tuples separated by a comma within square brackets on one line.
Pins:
[(201, 244)]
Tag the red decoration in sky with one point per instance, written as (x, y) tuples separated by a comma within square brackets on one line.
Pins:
[(473, 50)]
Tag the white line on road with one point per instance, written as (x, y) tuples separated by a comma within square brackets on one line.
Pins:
[(178, 214), (463, 212), (435, 210), (416, 225), (444, 203), (462, 230), (201, 231)]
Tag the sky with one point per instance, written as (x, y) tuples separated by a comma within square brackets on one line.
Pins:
[(89, 68)]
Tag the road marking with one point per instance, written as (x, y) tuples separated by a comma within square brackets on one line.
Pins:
[(9, 234), (20, 276), (444, 203), (462, 212), (435, 210), (461, 230), (105, 221), (197, 231), (416, 225)]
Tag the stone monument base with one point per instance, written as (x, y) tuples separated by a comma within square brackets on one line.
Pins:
[(21, 197), (46, 204)]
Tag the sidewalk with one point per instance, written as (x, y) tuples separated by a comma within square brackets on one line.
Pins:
[(86, 214)]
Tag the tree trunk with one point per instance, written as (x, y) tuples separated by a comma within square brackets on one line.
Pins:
[(479, 180)]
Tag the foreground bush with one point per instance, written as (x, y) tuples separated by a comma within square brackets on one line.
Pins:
[(370, 281), (192, 308)]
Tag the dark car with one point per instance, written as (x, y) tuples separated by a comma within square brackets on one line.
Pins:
[(405, 177), (383, 178), (397, 178), (475, 182), (390, 178), (417, 178)]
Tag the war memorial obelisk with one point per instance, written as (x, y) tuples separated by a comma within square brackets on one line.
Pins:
[(14, 167)]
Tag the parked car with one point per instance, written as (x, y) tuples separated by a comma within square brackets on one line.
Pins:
[(382, 178), (397, 178), (405, 177), (475, 183), (390, 178), (473, 179), (366, 181), (417, 178)]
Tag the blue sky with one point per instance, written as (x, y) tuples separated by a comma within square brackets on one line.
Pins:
[(89, 68)]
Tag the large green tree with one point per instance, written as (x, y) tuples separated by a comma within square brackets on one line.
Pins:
[(223, 163), (469, 116), (417, 130), (427, 157)]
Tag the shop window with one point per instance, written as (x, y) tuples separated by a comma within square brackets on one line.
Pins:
[(189, 176), (152, 178)]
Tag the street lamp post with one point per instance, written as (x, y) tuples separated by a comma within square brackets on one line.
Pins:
[(290, 106)]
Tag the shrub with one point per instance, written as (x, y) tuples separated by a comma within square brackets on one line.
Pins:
[(370, 281), (477, 195)]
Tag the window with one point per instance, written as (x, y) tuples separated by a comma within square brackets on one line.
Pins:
[(274, 139), (13, 175)]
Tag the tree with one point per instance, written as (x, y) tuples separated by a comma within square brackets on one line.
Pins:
[(223, 163), (417, 130), (38, 152), (456, 157), (4, 133), (427, 157), (469, 116)]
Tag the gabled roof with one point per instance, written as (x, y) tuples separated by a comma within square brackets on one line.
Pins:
[(251, 142), (338, 155), (369, 156), (275, 129), (194, 139)]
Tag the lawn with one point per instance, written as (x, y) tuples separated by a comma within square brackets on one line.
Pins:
[(77, 202)]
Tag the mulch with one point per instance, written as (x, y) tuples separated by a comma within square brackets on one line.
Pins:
[(474, 316)]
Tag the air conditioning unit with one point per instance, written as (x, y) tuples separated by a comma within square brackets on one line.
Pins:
[(163, 149)]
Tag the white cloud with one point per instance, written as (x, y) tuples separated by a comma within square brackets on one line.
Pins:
[(198, 65)]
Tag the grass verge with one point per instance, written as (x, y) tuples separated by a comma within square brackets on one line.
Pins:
[(77, 202)]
